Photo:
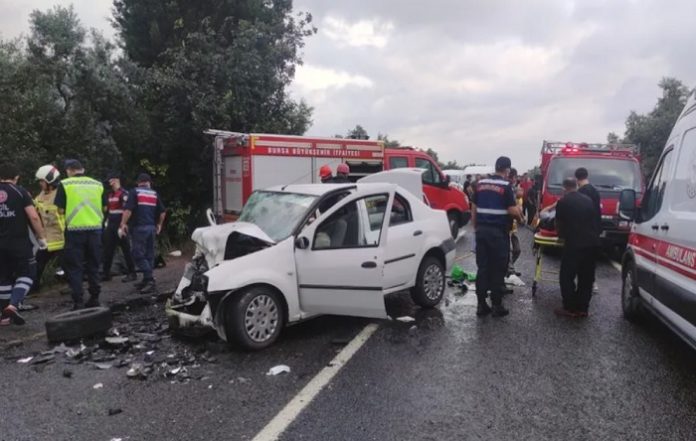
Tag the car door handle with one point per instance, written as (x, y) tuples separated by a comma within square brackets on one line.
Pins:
[(417, 233), (664, 227), (655, 227), (369, 264)]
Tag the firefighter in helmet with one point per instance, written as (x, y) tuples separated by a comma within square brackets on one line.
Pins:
[(53, 222), (325, 174), (342, 172)]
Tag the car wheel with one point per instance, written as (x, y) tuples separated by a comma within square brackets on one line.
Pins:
[(254, 318), (430, 283), (630, 301), (453, 220), (75, 325)]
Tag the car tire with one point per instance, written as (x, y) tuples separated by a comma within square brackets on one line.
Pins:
[(254, 318), (75, 325), (630, 300), (430, 283), (453, 221)]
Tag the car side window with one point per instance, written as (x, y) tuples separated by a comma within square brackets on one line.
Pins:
[(431, 175), (400, 212), (655, 192), (398, 162), (358, 224)]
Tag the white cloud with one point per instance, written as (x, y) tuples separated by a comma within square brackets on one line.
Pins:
[(315, 78), (370, 33)]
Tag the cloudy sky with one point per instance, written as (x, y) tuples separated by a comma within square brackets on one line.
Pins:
[(474, 79)]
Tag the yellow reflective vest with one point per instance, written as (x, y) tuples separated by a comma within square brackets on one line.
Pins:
[(53, 222), (83, 203)]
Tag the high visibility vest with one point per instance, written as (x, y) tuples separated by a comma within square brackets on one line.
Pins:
[(53, 221), (83, 202)]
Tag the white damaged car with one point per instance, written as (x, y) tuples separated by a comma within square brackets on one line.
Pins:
[(303, 250)]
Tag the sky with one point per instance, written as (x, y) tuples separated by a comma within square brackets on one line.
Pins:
[(473, 79)]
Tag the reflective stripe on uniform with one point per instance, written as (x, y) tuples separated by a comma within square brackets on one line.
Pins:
[(490, 211), (79, 207), (83, 203)]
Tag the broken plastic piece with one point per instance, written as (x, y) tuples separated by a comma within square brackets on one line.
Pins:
[(514, 280), (98, 386), (277, 370), (116, 341), (406, 319), (24, 360), (175, 253)]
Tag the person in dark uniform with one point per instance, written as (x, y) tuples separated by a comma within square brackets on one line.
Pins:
[(493, 206), (342, 172), (115, 205), (17, 262), (590, 191), (576, 225)]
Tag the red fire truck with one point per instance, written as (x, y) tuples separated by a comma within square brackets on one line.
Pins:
[(246, 162), (612, 168)]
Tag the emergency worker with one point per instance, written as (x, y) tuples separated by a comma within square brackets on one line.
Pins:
[(115, 205), (17, 262), (342, 172), (575, 223), (52, 221), (325, 174), (493, 208), (143, 217), (79, 198)]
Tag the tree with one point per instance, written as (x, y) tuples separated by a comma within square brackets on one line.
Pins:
[(650, 131), (358, 133), (433, 154), (388, 143), (452, 165)]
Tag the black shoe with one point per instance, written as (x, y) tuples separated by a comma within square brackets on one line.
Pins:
[(93, 302), (149, 287), (483, 309), (14, 315), (499, 311), (132, 277)]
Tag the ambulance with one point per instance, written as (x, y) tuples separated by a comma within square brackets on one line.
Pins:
[(659, 265)]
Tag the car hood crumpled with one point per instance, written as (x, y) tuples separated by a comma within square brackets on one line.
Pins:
[(212, 240)]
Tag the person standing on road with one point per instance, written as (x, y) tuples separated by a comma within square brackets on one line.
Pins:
[(575, 223), (17, 262), (115, 205), (515, 248), (145, 213), (79, 198), (584, 187), (52, 221), (342, 172), (493, 206)]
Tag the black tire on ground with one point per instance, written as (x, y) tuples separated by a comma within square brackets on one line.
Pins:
[(630, 301), (430, 283), (453, 220), (79, 324), (254, 318)]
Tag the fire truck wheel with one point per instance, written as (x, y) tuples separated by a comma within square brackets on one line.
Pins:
[(453, 219)]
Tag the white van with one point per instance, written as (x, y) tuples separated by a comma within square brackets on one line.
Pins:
[(659, 265)]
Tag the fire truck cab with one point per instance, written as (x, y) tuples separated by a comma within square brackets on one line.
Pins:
[(612, 168)]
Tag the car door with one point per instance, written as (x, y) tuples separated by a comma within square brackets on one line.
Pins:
[(341, 271), (405, 245), (646, 239)]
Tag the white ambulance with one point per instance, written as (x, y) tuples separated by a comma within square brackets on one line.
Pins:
[(659, 265)]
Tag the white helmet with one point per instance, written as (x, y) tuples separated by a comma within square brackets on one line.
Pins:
[(47, 173)]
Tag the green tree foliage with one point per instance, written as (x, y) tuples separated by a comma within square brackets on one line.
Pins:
[(452, 165), (650, 131), (388, 143), (357, 133)]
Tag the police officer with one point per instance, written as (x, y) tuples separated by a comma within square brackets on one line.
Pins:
[(115, 205), (79, 198), (493, 207), (53, 222), (342, 172), (17, 263), (144, 215)]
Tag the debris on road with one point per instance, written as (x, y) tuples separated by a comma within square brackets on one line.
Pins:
[(175, 253), (24, 360), (67, 373), (514, 280), (98, 386), (277, 370), (406, 319), (115, 411)]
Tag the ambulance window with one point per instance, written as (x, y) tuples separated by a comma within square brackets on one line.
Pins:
[(431, 175), (684, 185), (398, 162), (656, 191)]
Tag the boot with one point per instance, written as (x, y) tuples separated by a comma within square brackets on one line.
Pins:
[(483, 309), (499, 311), (148, 287), (93, 302)]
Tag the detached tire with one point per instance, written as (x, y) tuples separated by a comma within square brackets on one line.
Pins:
[(254, 318), (630, 301), (430, 283), (76, 325)]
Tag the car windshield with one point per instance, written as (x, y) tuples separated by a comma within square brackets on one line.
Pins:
[(607, 175), (276, 213)]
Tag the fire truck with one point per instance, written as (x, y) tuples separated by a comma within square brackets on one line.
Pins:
[(244, 162), (612, 168)]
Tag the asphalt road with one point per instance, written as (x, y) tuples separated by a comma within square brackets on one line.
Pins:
[(447, 376)]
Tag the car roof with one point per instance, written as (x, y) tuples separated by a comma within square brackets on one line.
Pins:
[(322, 189)]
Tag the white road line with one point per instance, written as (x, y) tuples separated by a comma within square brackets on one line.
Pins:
[(616, 265), (285, 417)]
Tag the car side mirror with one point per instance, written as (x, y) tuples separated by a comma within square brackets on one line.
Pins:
[(627, 204), (302, 243)]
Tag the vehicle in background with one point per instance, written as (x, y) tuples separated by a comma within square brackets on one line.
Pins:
[(247, 162), (612, 168), (456, 177), (298, 251), (659, 265), (482, 170)]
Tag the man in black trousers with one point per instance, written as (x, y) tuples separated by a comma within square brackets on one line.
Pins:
[(575, 223)]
